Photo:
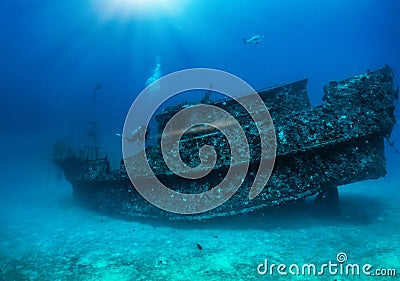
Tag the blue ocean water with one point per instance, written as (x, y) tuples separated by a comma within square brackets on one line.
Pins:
[(53, 54)]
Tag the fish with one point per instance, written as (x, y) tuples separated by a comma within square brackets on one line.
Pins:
[(255, 39), (136, 135)]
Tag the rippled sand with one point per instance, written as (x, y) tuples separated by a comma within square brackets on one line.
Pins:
[(54, 239)]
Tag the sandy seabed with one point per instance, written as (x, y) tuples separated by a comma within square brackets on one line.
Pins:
[(55, 239)]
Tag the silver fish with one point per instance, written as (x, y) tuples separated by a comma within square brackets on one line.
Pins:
[(255, 39)]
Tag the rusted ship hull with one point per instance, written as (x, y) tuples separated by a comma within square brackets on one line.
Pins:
[(318, 149)]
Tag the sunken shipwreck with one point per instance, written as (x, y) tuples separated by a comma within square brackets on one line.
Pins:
[(317, 150)]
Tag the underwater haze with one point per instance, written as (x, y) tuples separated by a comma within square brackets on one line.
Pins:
[(62, 62)]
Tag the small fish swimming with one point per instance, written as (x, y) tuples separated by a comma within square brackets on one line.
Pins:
[(255, 39), (136, 135)]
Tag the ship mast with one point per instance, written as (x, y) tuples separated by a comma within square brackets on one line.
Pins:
[(92, 129)]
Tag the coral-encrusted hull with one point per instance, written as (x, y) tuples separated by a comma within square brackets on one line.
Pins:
[(317, 149)]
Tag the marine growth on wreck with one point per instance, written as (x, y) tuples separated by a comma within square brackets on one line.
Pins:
[(318, 149)]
